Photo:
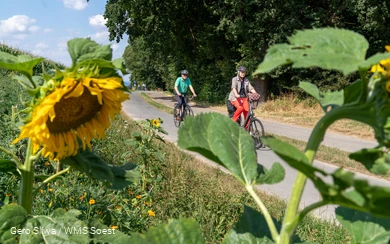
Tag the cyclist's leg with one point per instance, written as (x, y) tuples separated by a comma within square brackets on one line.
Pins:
[(239, 108), (245, 111), (178, 106)]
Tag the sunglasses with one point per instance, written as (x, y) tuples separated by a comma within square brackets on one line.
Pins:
[(184, 74)]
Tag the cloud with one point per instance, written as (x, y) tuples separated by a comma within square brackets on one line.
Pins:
[(18, 24), (41, 46), (47, 30), (76, 4), (98, 21), (100, 36)]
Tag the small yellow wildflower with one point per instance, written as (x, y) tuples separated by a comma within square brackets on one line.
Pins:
[(130, 192), (8, 195), (41, 191), (118, 207), (50, 189), (47, 164), (156, 123), (92, 201), (139, 197), (82, 197), (151, 213), (114, 227), (146, 203)]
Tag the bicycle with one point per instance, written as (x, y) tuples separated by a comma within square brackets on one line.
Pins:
[(184, 111), (252, 125)]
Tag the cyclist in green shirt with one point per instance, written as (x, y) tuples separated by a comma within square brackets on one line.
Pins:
[(181, 87)]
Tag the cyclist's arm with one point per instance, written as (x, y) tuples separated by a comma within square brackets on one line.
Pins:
[(177, 91), (235, 92), (192, 90)]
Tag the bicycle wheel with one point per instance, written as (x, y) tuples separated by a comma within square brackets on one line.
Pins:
[(256, 130), (188, 111), (175, 120)]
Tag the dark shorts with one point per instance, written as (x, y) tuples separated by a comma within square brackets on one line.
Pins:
[(181, 99)]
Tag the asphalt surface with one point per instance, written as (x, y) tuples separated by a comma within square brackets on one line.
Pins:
[(138, 109)]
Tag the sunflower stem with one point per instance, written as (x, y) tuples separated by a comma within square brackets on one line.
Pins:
[(27, 173)]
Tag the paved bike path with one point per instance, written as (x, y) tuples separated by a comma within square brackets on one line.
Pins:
[(138, 109)]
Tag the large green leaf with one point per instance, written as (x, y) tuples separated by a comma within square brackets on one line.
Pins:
[(8, 166), (91, 164), (363, 227), (326, 99), (12, 217), (22, 63), (175, 232), (81, 49), (327, 48), (59, 227), (220, 139)]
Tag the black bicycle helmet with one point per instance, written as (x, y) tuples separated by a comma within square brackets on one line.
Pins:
[(242, 69), (184, 72)]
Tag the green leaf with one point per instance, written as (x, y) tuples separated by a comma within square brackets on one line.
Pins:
[(22, 63), (327, 48), (111, 235), (374, 159), (59, 227), (355, 193), (8, 166), (92, 165), (218, 138), (81, 49), (326, 99), (363, 227), (124, 175), (273, 176), (353, 92), (11, 216), (175, 232), (118, 63)]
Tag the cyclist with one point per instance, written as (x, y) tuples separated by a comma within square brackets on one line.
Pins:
[(181, 87), (239, 93)]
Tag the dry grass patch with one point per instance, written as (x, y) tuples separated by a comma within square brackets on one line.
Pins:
[(288, 109), (332, 156)]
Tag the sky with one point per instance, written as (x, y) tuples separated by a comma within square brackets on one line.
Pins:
[(43, 27)]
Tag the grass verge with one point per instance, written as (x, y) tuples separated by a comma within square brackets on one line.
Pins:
[(159, 106)]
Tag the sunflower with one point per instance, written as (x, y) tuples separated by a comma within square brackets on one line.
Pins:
[(155, 123), (72, 114)]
